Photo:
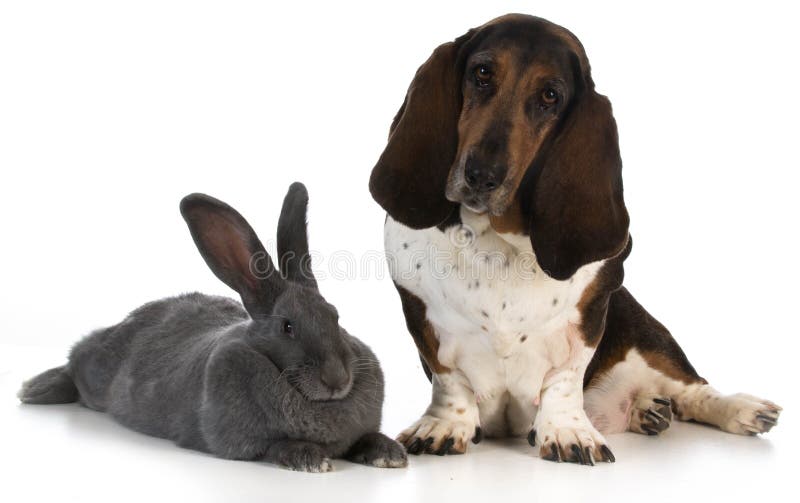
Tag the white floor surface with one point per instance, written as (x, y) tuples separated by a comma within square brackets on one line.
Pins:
[(69, 453)]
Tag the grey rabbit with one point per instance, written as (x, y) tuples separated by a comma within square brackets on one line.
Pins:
[(276, 378)]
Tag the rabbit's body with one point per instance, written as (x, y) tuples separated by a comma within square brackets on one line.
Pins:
[(237, 381), (147, 371)]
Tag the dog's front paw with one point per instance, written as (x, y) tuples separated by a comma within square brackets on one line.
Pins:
[(376, 449), (748, 415), (577, 441), (433, 435)]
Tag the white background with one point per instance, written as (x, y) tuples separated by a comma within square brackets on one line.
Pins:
[(111, 112)]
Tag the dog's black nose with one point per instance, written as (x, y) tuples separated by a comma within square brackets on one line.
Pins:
[(483, 177)]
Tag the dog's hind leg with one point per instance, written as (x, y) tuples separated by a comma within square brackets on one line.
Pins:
[(640, 377)]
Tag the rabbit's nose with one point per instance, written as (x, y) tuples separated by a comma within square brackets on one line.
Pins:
[(334, 375)]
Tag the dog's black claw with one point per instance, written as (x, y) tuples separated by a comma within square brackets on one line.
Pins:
[(427, 443), (445, 448), (766, 426), (532, 438), (666, 413), (767, 419), (663, 401), (478, 435), (415, 447), (651, 432), (578, 454), (587, 454), (554, 454), (452, 451), (607, 454), (653, 416)]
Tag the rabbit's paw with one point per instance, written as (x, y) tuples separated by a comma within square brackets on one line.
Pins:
[(376, 449), (302, 457)]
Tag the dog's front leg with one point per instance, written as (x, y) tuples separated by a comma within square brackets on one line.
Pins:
[(450, 422), (561, 428)]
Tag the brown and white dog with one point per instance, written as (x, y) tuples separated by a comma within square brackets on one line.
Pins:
[(506, 236)]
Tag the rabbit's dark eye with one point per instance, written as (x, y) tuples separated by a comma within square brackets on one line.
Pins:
[(288, 328)]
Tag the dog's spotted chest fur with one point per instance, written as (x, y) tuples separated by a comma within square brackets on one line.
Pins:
[(500, 320)]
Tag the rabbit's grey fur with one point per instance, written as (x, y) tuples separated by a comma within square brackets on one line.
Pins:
[(277, 379)]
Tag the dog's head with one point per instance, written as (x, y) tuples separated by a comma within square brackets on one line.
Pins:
[(505, 120)]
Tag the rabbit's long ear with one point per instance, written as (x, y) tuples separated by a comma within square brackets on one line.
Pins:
[(233, 252), (293, 256)]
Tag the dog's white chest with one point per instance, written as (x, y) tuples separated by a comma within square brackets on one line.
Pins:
[(500, 320)]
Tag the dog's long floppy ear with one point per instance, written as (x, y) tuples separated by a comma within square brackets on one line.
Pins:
[(410, 177), (577, 213)]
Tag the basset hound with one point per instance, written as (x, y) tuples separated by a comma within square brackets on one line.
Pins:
[(506, 235)]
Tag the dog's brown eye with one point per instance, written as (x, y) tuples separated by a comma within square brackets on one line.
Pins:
[(288, 328), (483, 75), (549, 96)]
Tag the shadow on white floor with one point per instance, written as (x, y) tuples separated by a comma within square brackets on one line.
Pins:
[(69, 453)]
